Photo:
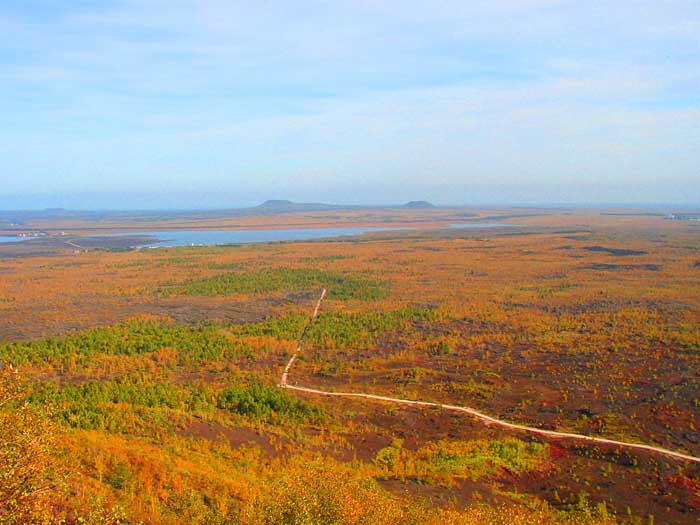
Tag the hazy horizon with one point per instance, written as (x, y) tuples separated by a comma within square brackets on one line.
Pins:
[(110, 203), (207, 105)]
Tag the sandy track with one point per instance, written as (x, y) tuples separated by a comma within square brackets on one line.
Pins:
[(551, 434)]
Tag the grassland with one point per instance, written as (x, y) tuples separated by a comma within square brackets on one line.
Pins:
[(160, 369)]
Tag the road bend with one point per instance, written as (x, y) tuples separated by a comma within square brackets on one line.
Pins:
[(489, 420)]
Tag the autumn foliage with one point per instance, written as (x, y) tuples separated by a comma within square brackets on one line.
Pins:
[(149, 379)]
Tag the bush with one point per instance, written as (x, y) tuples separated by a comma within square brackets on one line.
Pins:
[(442, 461), (141, 335), (266, 403), (340, 287), (321, 492), (26, 466)]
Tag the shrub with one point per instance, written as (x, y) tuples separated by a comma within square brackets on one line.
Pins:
[(341, 287), (26, 443), (263, 402)]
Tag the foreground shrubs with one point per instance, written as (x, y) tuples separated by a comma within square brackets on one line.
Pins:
[(27, 470), (322, 492), (170, 480), (444, 461), (319, 492)]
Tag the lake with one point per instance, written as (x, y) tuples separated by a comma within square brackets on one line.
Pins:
[(218, 237), (223, 237), (13, 238)]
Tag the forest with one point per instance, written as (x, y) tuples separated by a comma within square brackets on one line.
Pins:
[(142, 386)]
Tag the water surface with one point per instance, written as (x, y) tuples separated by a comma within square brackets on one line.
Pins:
[(154, 239), (13, 238), (223, 237)]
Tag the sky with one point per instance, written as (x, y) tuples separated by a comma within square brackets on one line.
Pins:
[(220, 103)]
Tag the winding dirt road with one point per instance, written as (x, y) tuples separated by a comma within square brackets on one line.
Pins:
[(551, 434)]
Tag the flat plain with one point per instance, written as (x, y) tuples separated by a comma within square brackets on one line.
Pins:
[(161, 368)]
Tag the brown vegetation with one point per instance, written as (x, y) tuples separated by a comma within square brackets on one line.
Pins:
[(582, 322)]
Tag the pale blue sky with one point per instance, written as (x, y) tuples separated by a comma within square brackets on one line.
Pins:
[(187, 104)]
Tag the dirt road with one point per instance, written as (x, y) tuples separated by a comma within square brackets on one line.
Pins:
[(551, 434)]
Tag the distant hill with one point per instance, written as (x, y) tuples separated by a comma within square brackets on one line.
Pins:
[(418, 205), (286, 206), (275, 202)]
